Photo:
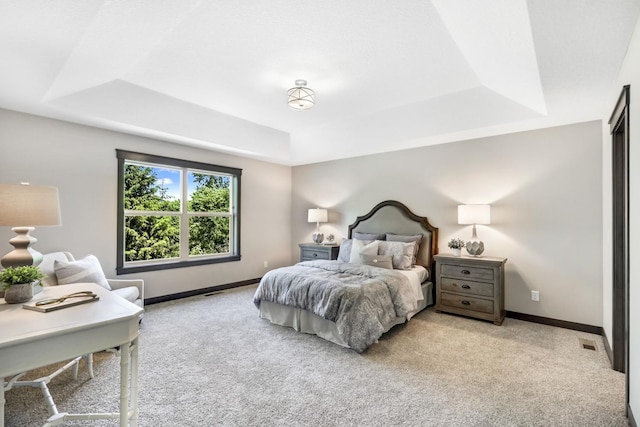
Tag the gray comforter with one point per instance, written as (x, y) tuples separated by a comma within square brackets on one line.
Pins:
[(360, 299)]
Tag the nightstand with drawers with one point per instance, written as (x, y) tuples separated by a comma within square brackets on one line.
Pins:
[(471, 286), (313, 251)]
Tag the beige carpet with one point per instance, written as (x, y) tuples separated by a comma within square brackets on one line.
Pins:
[(209, 361)]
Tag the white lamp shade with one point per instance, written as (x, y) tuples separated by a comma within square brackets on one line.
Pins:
[(28, 205), (317, 215), (474, 214)]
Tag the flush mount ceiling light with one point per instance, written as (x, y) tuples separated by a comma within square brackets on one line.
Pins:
[(301, 97)]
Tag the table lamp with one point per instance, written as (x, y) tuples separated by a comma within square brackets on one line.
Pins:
[(474, 214), (23, 206), (317, 215)]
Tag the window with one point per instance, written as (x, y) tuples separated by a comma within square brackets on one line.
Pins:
[(175, 213)]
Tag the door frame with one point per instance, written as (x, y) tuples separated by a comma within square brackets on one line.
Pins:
[(619, 128)]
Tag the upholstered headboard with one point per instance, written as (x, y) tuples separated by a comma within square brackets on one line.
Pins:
[(392, 216)]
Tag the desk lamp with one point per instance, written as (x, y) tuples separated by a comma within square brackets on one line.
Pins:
[(23, 206)]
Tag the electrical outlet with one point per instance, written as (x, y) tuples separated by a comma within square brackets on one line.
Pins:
[(266, 264), (535, 296)]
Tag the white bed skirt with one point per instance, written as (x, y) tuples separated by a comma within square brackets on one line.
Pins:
[(309, 323)]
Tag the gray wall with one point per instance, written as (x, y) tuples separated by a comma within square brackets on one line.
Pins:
[(545, 189), (81, 162)]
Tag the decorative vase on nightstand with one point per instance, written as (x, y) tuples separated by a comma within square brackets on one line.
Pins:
[(456, 246)]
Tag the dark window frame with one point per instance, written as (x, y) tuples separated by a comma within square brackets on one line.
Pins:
[(123, 156)]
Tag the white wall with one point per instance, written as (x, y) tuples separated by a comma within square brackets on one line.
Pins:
[(544, 187), (630, 74), (81, 162)]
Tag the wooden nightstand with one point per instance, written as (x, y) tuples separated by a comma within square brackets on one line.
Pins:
[(471, 286), (312, 251)]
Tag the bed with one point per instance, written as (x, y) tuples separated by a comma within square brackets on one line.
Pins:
[(352, 301)]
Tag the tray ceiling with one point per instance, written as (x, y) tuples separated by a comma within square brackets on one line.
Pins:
[(387, 75)]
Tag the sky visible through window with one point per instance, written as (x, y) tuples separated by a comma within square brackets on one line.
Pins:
[(169, 179)]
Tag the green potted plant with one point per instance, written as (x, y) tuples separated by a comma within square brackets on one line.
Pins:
[(18, 282), (456, 246)]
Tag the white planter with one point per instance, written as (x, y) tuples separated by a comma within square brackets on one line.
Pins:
[(456, 251)]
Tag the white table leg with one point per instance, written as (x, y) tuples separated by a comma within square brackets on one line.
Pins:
[(134, 383), (125, 361), (2, 404)]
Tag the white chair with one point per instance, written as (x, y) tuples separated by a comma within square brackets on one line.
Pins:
[(130, 289)]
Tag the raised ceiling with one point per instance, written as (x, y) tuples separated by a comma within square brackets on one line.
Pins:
[(388, 75)]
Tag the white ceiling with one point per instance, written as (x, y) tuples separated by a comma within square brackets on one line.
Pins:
[(388, 75)]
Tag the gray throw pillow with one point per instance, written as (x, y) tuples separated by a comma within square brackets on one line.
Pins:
[(85, 270), (402, 238), (382, 261), (401, 253)]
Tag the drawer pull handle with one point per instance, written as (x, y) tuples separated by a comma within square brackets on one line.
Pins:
[(466, 287), (315, 254), (465, 302), (465, 272)]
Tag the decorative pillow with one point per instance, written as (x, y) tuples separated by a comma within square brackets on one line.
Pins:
[(382, 261), (402, 238), (368, 236), (344, 253), (85, 270), (401, 252), (362, 247)]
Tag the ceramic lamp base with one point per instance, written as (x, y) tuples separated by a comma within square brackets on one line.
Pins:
[(23, 254), (475, 247), (318, 238)]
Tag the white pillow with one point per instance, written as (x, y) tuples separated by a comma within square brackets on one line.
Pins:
[(344, 253), (362, 247), (85, 270)]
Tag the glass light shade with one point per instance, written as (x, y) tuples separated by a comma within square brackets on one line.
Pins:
[(474, 214), (301, 97)]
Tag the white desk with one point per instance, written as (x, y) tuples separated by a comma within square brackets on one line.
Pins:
[(30, 339)]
